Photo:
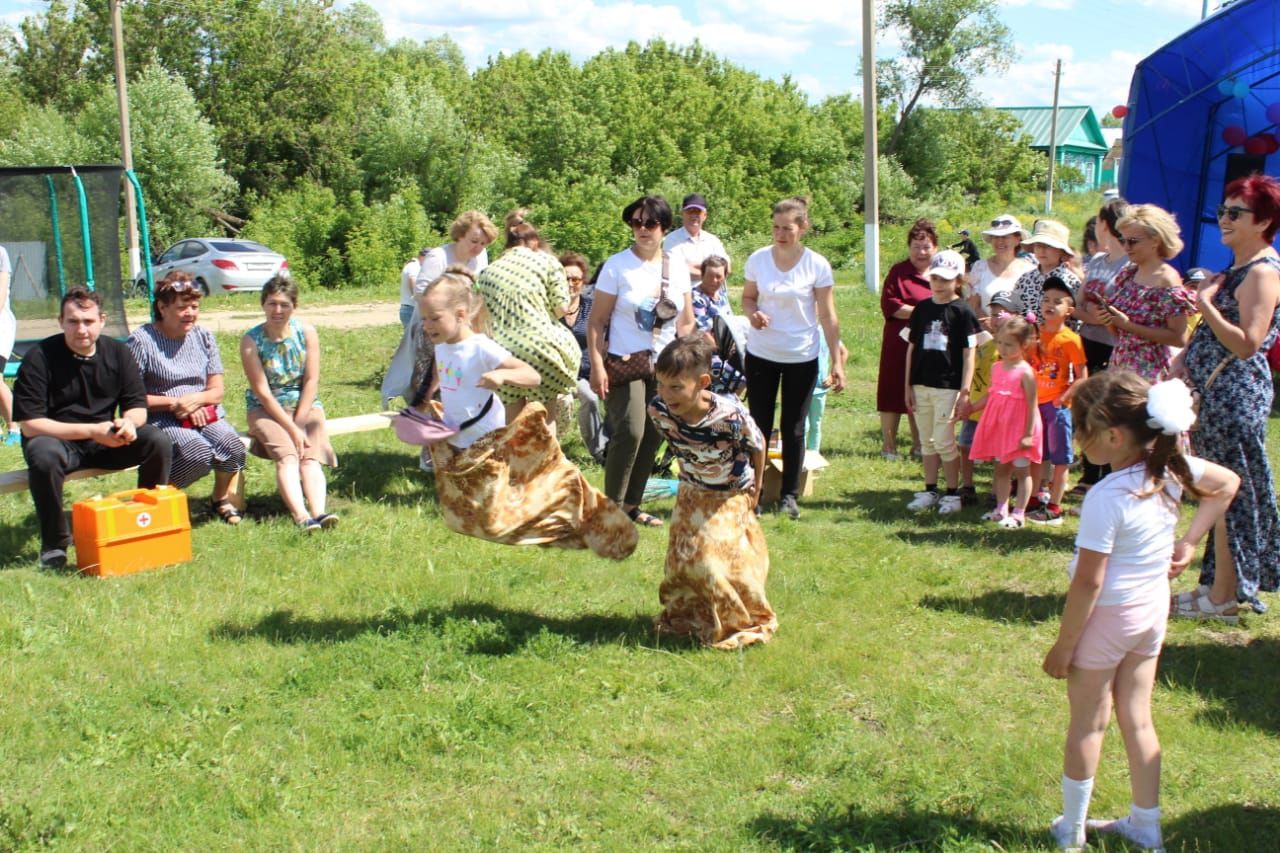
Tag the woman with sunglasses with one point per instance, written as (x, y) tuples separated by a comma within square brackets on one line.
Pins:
[(577, 271), (183, 374), (1149, 309), (1226, 363), (642, 301), (999, 272), (789, 300)]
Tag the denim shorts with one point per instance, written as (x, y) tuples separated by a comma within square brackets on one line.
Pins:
[(1057, 434), (968, 429)]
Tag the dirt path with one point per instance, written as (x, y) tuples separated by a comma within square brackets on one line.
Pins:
[(354, 316)]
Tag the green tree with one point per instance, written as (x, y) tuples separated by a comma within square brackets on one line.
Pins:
[(978, 154), (175, 152), (946, 46)]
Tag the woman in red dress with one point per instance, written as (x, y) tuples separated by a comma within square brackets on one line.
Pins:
[(905, 286)]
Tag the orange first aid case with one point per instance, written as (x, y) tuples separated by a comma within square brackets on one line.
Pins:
[(131, 531)]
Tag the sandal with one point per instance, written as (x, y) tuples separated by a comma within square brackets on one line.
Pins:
[(226, 511), (643, 519), (1198, 605)]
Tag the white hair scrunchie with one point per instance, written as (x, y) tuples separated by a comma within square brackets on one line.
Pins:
[(1169, 407)]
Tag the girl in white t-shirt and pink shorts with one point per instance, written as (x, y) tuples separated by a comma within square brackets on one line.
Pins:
[(1113, 623)]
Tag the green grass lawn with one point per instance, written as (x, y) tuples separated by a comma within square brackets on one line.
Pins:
[(394, 685)]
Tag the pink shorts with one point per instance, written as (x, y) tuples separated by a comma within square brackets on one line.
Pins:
[(1116, 630)]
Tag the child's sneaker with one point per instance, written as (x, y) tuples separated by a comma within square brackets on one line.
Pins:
[(1147, 839), (1050, 514), (949, 504), (1067, 840), (924, 500), (994, 515), (1011, 522)]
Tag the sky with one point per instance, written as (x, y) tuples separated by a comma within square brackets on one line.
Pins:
[(817, 42)]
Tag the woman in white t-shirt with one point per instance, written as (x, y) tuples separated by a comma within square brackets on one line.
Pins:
[(789, 301), (8, 332), (625, 332)]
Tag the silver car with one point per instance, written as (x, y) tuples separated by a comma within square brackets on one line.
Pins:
[(218, 265)]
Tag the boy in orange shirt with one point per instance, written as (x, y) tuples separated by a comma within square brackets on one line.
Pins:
[(1059, 365)]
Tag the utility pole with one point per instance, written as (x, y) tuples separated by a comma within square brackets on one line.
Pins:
[(1053, 138), (126, 147), (870, 151)]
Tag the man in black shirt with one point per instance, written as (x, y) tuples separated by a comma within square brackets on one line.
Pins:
[(82, 404)]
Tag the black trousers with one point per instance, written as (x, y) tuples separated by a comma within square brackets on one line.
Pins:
[(50, 460), (797, 381), (1097, 356)]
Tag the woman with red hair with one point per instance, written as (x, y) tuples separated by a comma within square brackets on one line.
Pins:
[(1226, 363)]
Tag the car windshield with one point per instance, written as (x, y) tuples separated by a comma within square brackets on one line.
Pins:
[(243, 246)]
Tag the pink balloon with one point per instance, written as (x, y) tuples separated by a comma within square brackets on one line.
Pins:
[(1234, 135), (1120, 111), (1273, 113), (1255, 145)]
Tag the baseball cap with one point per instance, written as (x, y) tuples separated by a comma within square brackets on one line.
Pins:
[(947, 264), (694, 200), (1003, 299)]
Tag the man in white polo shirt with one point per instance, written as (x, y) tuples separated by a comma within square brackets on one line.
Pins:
[(690, 242)]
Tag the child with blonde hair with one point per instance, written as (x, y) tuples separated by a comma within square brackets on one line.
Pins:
[(1009, 433), (1113, 623)]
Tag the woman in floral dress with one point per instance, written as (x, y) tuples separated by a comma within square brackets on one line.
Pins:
[(1227, 364), (1149, 311)]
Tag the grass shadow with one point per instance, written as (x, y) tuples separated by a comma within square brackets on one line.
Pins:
[(1000, 606), (1238, 827), (1236, 675), (508, 630), (851, 828), (378, 474)]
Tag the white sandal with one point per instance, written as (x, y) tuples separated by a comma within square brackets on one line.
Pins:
[(1198, 605)]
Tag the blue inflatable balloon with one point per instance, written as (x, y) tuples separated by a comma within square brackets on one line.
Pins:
[(1226, 87), (1240, 89)]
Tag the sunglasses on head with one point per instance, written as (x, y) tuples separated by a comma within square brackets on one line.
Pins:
[(178, 287), (649, 223), (1233, 212), (1001, 223)]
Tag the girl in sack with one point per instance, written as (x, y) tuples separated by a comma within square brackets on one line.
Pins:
[(506, 483)]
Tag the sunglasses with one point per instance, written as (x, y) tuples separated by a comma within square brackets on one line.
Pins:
[(1002, 223), (1130, 242), (178, 287), (1232, 213), (649, 224), (574, 279)]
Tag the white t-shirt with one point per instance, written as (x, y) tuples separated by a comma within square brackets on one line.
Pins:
[(8, 322), (409, 277), (636, 286), (459, 367), (789, 300), (1137, 533), (985, 283), (440, 259), (694, 250)]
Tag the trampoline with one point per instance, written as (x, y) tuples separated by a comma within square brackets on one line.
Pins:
[(61, 227), (1203, 111)]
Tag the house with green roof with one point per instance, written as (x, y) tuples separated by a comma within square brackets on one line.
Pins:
[(1080, 142)]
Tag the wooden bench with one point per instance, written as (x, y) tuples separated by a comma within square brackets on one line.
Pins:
[(16, 481)]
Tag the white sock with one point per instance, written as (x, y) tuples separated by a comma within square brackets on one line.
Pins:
[(1075, 801), (1147, 822)]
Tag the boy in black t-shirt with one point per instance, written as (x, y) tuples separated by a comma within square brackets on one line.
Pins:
[(82, 404), (941, 335)]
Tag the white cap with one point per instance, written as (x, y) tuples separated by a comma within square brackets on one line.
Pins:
[(947, 264)]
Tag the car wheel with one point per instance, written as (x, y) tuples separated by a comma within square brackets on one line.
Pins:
[(204, 286)]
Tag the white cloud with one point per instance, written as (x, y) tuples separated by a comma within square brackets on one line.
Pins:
[(1100, 82)]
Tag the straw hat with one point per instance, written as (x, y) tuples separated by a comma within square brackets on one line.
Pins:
[(1051, 233)]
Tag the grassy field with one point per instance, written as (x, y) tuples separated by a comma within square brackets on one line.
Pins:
[(393, 685)]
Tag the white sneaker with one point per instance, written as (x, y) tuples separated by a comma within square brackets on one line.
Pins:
[(1067, 840), (1010, 522), (924, 500), (950, 504), (1147, 839), (995, 515)]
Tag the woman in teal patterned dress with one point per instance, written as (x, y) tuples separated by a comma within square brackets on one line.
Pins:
[(281, 359), (1227, 363), (526, 294)]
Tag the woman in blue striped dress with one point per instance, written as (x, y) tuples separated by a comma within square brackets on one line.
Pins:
[(182, 371)]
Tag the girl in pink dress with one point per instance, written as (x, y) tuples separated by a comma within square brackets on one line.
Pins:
[(1009, 432)]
